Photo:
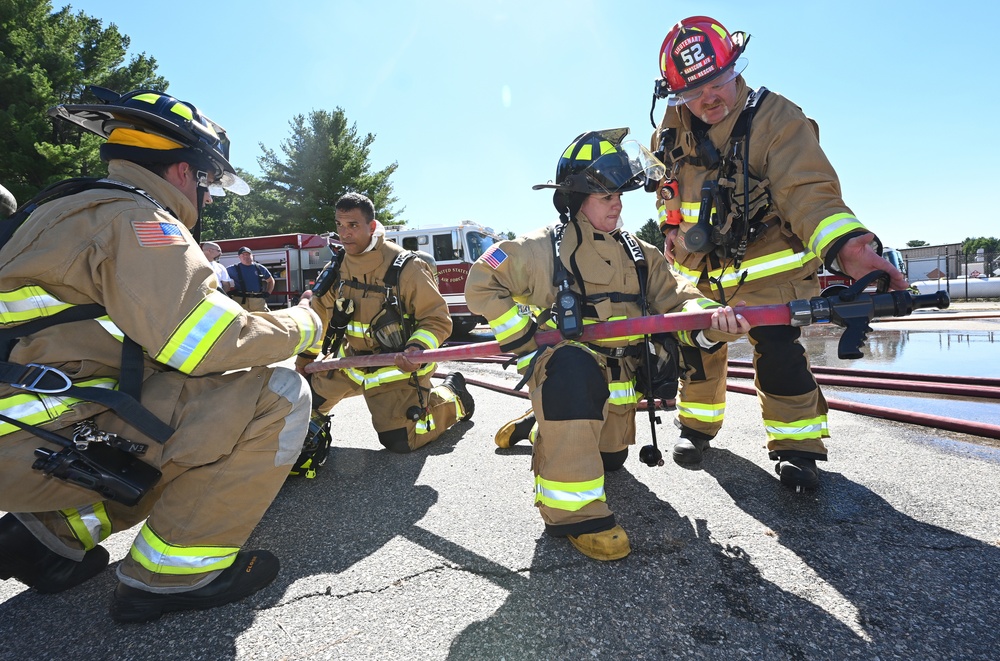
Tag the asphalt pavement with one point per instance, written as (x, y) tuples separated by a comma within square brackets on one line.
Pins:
[(441, 555)]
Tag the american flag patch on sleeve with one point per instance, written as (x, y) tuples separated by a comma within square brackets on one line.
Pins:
[(494, 257), (152, 233)]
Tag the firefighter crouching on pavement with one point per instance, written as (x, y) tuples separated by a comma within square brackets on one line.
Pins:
[(129, 249), (583, 395), (359, 318), (765, 252)]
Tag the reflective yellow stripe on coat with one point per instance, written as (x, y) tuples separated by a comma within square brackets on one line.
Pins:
[(191, 341), (27, 303), (508, 324), (32, 409)]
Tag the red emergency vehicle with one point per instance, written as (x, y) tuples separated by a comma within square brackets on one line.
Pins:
[(296, 259), (454, 248), (293, 259)]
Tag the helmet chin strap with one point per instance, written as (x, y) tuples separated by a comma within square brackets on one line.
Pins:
[(202, 178)]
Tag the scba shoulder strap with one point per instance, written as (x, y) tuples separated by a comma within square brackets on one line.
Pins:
[(58, 190), (391, 328), (391, 314), (392, 273)]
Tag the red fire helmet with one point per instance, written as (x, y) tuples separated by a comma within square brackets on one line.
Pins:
[(698, 50)]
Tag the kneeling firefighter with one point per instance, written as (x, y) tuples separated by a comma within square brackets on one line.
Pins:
[(377, 297), (132, 391), (585, 270)]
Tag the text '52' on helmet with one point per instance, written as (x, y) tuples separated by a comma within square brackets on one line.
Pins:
[(599, 162), (697, 51), (150, 127)]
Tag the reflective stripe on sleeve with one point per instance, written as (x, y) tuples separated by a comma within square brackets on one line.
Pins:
[(111, 328), (508, 324), (308, 332), (832, 228), (690, 211), (425, 338), (190, 342), (685, 337)]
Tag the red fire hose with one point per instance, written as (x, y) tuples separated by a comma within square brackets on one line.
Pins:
[(760, 315)]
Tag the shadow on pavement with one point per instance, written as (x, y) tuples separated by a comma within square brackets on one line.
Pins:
[(360, 500), (678, 594), (921, 591)]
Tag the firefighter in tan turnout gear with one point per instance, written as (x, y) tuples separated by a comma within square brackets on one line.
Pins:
[(585, 270), (382, 298), (118, 263), (719, 138)]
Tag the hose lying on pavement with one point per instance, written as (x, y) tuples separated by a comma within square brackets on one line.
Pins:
[(898, 415)]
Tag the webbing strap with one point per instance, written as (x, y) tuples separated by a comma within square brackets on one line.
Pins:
[(48, 380)]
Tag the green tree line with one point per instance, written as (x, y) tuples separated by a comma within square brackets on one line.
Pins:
[(49, 57)]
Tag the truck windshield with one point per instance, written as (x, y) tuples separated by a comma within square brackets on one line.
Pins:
[(478, 244), (894, 258)]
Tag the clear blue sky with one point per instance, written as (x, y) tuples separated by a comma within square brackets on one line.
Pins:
[(476, 99)]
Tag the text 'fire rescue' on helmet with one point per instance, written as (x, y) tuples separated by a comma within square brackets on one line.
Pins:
[(150, 127), (697, 51)]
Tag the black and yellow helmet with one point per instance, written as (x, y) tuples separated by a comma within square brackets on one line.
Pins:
[(151, 127), (600, 162)]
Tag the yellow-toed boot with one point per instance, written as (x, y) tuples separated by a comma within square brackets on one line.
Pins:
[(516, 430), (605, 545)]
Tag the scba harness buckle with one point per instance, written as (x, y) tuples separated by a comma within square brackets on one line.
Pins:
[(32, 383)]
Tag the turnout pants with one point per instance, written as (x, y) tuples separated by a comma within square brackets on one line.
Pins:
[(236, 437), (390, 394), (252, 304), (584, 405), (792, 405)]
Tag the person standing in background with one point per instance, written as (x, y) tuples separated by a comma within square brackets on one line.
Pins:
[(252, 282)]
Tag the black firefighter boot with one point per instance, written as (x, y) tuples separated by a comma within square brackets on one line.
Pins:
[(689, 449), (796, 472), (250, 572), (456, 383), (25, 559)]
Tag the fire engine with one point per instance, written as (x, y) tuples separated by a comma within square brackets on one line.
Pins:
[(296, 259), (454, 248), (293, 259)]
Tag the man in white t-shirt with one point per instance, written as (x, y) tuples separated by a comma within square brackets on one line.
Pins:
[(212, 253)]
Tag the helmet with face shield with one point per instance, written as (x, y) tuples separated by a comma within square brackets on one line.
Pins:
[(600, 162), (152, 128), (696, 52)]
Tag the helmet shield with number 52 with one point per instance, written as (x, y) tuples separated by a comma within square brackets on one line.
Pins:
[(699, 51)]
